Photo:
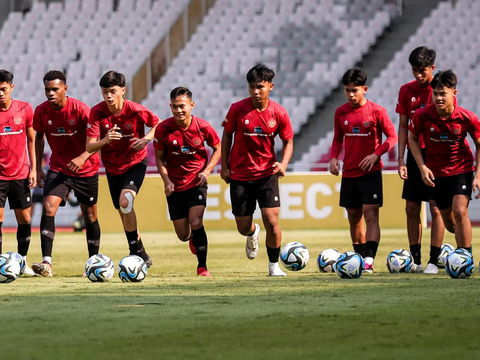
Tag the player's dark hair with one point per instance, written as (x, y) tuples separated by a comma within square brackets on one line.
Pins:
[(55, 75), (356, 76), (181, 91), (443, 79), (6, 76), (112, 78), (422, 57), (260, 73)]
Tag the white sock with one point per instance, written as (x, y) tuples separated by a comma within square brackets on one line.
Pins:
[(368, 260), (48, 259), (25, 258)]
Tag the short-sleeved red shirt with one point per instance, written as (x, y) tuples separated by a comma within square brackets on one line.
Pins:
[(252, 155), (184, 151), (66, 133), (361, 129), (14, 162), (446, 146), (118, 156)]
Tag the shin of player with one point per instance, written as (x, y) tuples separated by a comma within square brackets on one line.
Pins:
[(183, 164), (117, 127), (17, 174), (359, 125), (415, 95), (250, 166), (448, 167)]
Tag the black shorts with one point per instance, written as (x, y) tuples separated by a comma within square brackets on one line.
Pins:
[(131, 179), (449, 186), (414, 188), (179, 203), (362, 190), (37, 196), (18, 193), (245, 194), (60, 185)]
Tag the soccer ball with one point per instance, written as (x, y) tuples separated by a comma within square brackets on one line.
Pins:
[(19, 258), (444, 252), (349, 265), (294, 256), (132, 268), (326, 259), (9, 268), (399, 261), (99, 268), (460, 264)]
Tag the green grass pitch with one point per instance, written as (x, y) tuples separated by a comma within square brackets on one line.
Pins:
[(238, 313)]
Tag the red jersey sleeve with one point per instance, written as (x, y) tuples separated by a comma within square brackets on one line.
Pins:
[(338, 136), (29, 116), (211, 136), (416, 126), (158, 139), (389, 130), (285, 130), (474, 128), (229, 123), (93, 126), (149, 118), (401, 107), (84, 114), (37, 120)]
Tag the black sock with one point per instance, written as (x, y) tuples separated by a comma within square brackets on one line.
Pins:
[(93, 237), (1, 237), (273, 254), (372, 247), (136, 245), (24, 233), (469, 249), (434, 254), (47, 231), (416, 253), (360, 249), (199, 239)]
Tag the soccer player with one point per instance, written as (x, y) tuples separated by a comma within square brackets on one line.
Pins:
[(448, 168), (250, 166), (17, 176), (117, 127), (360, 124), (63, 121), (182, 161), (413, 96)]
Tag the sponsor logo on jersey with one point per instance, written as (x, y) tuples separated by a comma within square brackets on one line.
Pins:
[(356, 130), (7, 129), (107, 126), (443, 136), (423, 105), (185, 149), (61, 130), (345, 123), (258, 130), (414, 99), (247, 122), (49, 122), (89, 126)]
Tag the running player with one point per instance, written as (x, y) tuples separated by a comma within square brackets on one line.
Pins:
[(250, 166), (182, 161), (17, 176), (360, 124), (63, 121), (117, 127)]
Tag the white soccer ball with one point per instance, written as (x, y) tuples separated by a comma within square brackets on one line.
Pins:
[(99, 268), (294, 256), (460, 264), (132, 268), (350, 265), (446, 249), (326, 259), (399, 260), (9, 268), (20, 260)]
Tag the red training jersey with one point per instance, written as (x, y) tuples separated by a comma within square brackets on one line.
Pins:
[(446, 146), (252, 155), (362, 130), (14, 162), (66, 133), (184, 151), (118, 156)]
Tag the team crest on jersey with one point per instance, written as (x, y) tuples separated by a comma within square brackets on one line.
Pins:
[(71, 121), (457, 129), (128, 125), (272, 123), (367, 123), (196, 142), (17, 121)]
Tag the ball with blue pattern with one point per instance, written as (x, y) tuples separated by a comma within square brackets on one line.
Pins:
[(20, 259), (445, 250), (9, 268), (132, 268), (294, 256), (460, 264), (326, 259), (349, 265), (400, 261), (99, 268)]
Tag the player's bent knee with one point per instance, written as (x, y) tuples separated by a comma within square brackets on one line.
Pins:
[(126, 203), (196, 224)]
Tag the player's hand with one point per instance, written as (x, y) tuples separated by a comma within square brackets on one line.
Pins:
[(279, 169), (41, 178), (139, 144), (402, 169), (427, 176), (169, 188), (76, 164), (367, 163), (225, 174), (476, 186), (202, 179), (334, 166), (113, 134), (32, 179)]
